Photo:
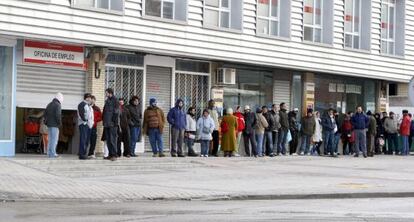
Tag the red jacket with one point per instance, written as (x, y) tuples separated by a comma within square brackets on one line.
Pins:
[(240, 121), (97, 115), (405, 126)]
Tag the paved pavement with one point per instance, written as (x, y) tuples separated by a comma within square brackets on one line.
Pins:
[(31, 177)]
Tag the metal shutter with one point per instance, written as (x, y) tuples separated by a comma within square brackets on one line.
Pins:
[(281, 92), (158, 85), (37, 86)]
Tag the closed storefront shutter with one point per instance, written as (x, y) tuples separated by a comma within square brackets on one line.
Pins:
[(281, 92), (193, 90), (158, 85), (37, 86)]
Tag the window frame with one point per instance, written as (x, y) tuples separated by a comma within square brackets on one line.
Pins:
[(96, 9), (218, 9), (269, 19), (353, 33), (388, 40), (314, 26), (167, 20), (230, 29)]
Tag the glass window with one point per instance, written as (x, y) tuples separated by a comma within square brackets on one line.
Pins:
[(153, 8), (352, 24), (192, 66), (268, 14), (6, 82), (312, 20), (104, 4), (223, 13), (392, 16), (110, 5), (167, 9)]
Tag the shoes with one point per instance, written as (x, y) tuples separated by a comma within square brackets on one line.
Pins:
[(161, 155), (128, 156), (237, 155), (180, 155), (106, 158), (356, 155), (365, 155), (192, 154), (173, 155), (92, 157), (155, 155), (113, 158), (301, 153), (272, 155)]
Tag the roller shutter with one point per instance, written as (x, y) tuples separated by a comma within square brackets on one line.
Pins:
[(281, 92)]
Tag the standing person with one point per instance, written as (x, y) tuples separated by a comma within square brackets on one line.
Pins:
[(405, 132), (410, 138), (268, 134), (385, 147), (294, 130), (391, 127), (124, 134), (276, 129), (44, 132), (111, 123), (360, 122), (337, 136), (380, 133), (260, 131), (154, 121), (97, 117), (347, 137), (228, 129), (371, 133), (177, 119), (249, 134), (215, 116), (329, 129), (308, 130), (85, 123), (205, 127), (53, 120), (190, 131), (317, 135), (240, 127), (284, 127), (135, 111)]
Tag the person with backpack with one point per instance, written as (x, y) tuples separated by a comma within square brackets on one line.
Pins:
[(240, 127), (205, 128), (85, 123)]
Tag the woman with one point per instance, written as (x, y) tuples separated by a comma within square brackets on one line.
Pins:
[(44, 132), (260, 129), (347, 136), (228, 130), (205, 128), (190, 131), (317, 136), (240, 127)]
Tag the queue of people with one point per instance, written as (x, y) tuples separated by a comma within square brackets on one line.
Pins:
[(265, 132)]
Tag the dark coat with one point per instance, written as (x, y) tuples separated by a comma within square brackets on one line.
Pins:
[(111, 112), (177, 117), (372, 129), (293, 123), (271, 122), (53, 114), (284, 121), (136, 114), (360, 121), (125, 119), (308, 125), (327, 123), (250, 121)]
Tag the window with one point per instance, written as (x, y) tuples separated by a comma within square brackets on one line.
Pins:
[(392, 27), (223, 14), (271, 20), (357, 24), (167, 9), (110, 5), (318, 21), (393, 89)]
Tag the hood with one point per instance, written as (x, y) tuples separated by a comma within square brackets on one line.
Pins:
[(178, 101), (59, 97), (152, 101)]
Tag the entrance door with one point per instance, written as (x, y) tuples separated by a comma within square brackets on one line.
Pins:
[(158, 86), (7, 109)]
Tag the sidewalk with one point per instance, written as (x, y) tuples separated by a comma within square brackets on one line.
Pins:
[(33, 178)]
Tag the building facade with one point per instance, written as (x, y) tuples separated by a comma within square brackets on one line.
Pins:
[(308, 53)]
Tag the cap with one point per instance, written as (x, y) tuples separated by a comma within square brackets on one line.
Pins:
[(246, 107)]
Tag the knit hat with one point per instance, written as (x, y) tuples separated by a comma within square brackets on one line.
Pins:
[(59, 96), (152, 101), (229, 111), (369, 113), (246, 107), (310, 111)]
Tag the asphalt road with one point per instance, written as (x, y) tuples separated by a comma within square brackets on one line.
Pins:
[(328, 210)]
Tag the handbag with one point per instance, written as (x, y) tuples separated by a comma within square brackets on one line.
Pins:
[(205, 129), (288, 137)]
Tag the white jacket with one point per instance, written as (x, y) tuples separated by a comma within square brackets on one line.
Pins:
[(317, 136), (191, 125)]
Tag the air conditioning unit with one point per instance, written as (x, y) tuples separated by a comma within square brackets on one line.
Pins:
[(226, 76)]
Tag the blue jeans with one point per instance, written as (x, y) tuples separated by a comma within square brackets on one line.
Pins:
[(281, 143), (392, 143), (135, 134), (360, 141), (328, 142), (190, 143), (405, 149), (53, 141), (336, 142), (205, 145), (259, 144), (84, 135), (268, 143), (155, 139), (305, 144)]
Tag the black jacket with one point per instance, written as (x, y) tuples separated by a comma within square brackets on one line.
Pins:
[(53, 114), (111, 112), (124, 119), (284, 122), (293, 123), (250, 122), (136, 114), (271, 121)]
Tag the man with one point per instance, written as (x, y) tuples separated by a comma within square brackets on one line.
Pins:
[(405, 132), (308, 129), (124, 134), (360, 122), (275, 133), (284, 127), (268, 137), (215, 116), (339, 120), (111, 123), (294, 130), (385, 147), (329, 128), (371, 134), (391, 128), (249, 134), (97, 117), (53, 120), (178, 120), (135, 111), (153, 126), (85, 124)]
